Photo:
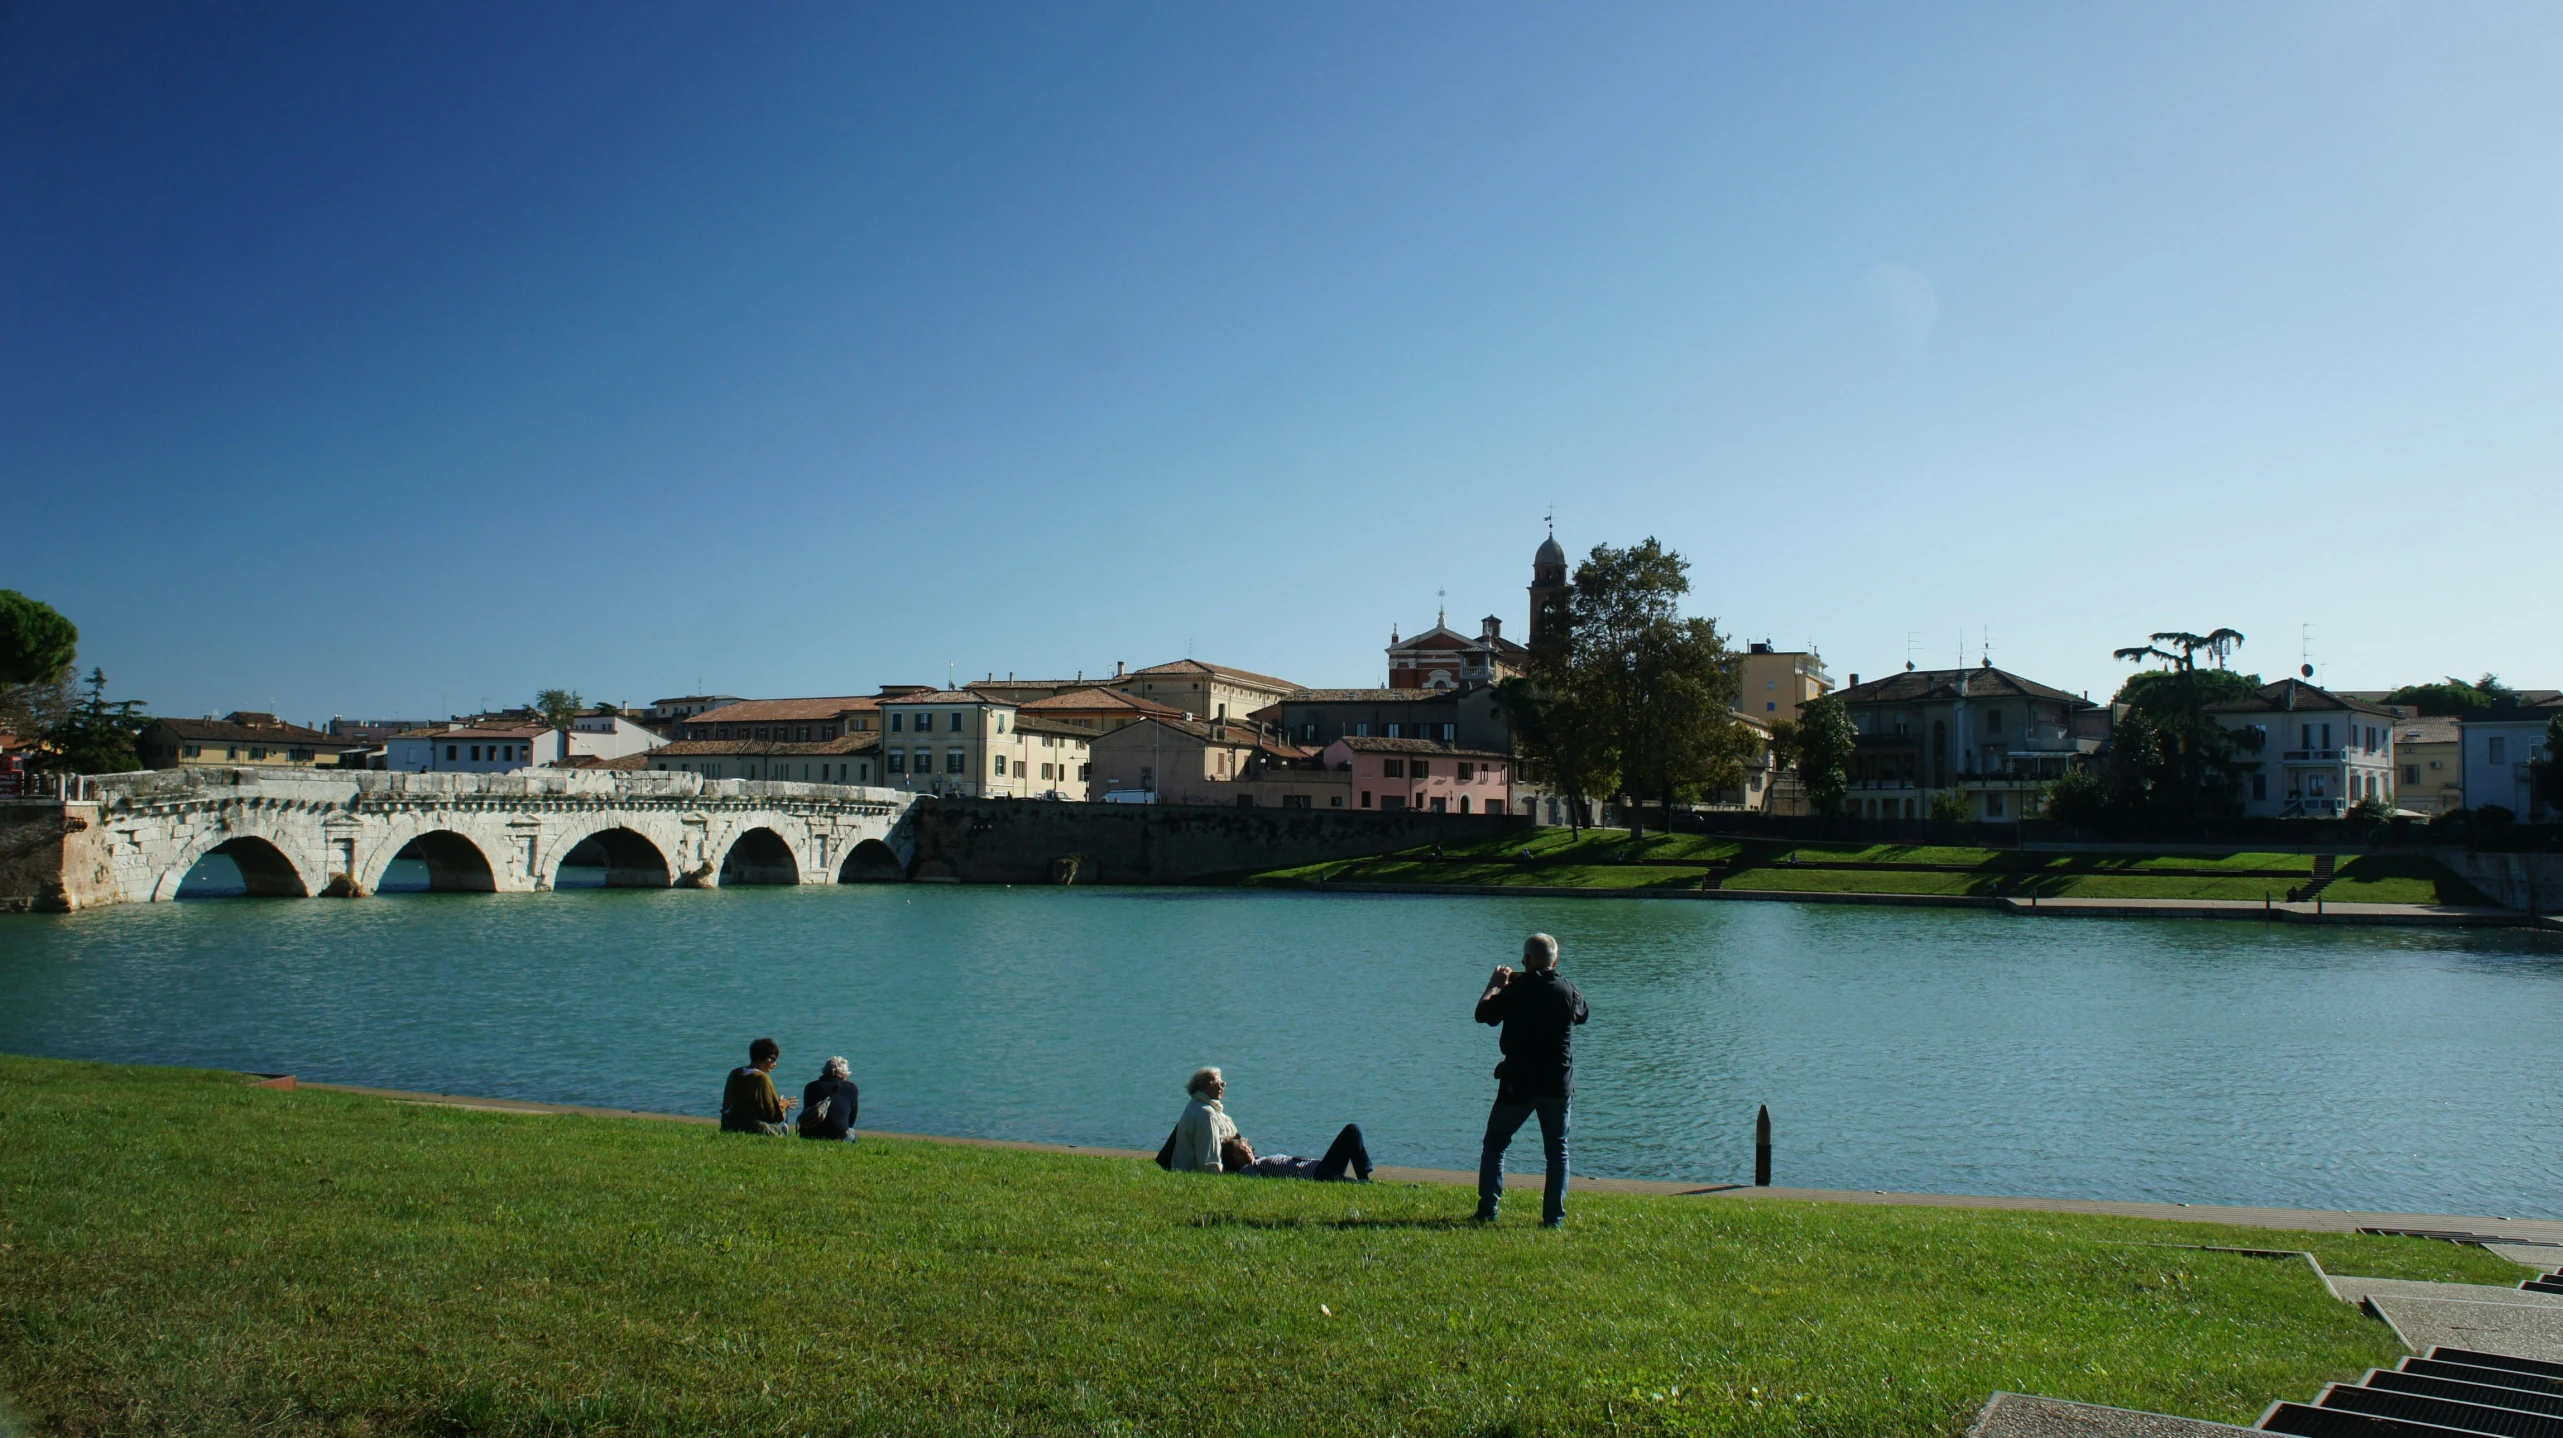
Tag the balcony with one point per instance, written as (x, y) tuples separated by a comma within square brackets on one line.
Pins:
[(2311, 756)]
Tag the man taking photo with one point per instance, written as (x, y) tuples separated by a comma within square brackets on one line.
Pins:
[(1538, 1012)]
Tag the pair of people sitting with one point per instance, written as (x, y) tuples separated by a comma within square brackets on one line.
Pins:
[(1206, 1140), (749, 1103)]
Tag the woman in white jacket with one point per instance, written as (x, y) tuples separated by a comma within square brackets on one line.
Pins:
[(1204, 1127)]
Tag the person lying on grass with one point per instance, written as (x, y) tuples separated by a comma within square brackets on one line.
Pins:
[(749, 1103), (1238, 1156)]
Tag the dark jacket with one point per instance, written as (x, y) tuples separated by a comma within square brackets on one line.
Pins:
[(749, 1099), (1539, 1012), (827, 1108)]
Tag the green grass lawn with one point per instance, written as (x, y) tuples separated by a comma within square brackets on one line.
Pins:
[(1602, 859), (181, 1254)]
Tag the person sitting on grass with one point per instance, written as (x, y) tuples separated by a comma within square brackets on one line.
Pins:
[(828, 1103), (749, 1103), (1238, 1156), (1194, 1145)]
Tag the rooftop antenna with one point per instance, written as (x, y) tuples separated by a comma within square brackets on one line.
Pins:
[(1912, 643), (2306, 652), (1441, 608)]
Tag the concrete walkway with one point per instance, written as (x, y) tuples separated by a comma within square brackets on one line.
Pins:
[(2306, 1220), (2318, 912)]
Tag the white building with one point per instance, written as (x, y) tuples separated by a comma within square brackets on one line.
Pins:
[(2318, 753), (2497, 746), (501, 748)]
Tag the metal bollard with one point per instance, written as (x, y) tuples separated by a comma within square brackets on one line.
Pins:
[(1762, 1148)]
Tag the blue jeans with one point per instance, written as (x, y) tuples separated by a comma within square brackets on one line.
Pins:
[(1501, 1123)]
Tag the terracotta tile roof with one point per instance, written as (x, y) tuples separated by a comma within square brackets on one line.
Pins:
[(771, 711), (1371, 696), (1086, 701), (859, 743), (1050, 726), (1984, 682), (229, 732), (2293, 696), (628, 762), (496, 731), (1225, 734), (945, 696), (1364, 744), (1195, 668), (2427, 729)]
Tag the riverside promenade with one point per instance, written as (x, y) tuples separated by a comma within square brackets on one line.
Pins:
[(2528, 1231)]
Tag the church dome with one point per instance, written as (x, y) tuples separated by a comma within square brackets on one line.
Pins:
[(1550, 552)]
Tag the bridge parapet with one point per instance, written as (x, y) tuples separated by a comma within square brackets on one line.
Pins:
[(337, 832)]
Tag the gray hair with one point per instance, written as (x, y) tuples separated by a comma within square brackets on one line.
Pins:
[(1540, 951), (1204, 1080), (833, 1068)]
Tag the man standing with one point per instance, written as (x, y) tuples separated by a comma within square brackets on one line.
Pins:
[(1539, 1012), (749, 1103)]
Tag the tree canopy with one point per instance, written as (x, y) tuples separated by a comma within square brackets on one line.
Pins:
[(2451, 696), (1821, 745), (97, 736), (2167, 755), (37, 645), (1628, 695), (557, 707)]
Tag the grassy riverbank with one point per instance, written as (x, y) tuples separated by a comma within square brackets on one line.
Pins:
[(179, 1253), (1609, 859)]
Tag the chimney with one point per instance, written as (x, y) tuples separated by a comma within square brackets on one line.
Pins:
[(1494, 628), (1855, 681), (1116, 669)]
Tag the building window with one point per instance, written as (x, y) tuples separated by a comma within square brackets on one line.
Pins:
[(2499, 752), (952, 723), (1336, 801), (1085, 771), (1993, 725), (1366, 798), (895, 718), (895, 761), (1045, 772), (2411, 773), (1147, 777), (1993, 806), (1001, 722), (1392, 768), (449, 753), (1360, 731), (1465, 771), (1001, 766), (1418, 769), (1396, 731)]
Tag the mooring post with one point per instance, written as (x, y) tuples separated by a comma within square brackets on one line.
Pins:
[(1762, 1148)]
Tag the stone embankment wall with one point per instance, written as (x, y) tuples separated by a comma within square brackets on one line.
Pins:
[(53, 858), (1022, 841), (2516, 881)]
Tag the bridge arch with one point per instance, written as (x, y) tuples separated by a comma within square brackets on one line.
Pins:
[(266, 872), (872, 862), (454, 863), (630, 858), (760, 856)]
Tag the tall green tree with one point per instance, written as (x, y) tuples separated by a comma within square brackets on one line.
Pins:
[(1557, 732), (1662, 684), (557, 708), (37, 645), (1821, 746), (96, 737), (2169, 756)]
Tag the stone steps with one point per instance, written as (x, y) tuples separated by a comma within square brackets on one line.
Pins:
[(2450, 1391)]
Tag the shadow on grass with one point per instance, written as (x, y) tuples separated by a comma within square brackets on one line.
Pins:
[(1232, 1220)]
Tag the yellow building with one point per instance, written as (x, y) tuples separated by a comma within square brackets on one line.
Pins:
[(970, 745), (2429, 761), (1208, 692), (1775, 682), (243, 736)]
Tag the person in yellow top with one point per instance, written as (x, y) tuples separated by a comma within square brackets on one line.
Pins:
[(749, 1103)]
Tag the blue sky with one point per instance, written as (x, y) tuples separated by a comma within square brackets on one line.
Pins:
[(394, 360)]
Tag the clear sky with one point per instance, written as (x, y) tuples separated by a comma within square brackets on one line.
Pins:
[(393, 360)]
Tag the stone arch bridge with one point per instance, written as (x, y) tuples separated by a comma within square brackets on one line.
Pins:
[(323, 832)]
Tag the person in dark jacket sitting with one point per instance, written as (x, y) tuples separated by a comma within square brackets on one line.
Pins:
[(749, 1103), (828, 1103), (1539, 1012), (1238, 1156)]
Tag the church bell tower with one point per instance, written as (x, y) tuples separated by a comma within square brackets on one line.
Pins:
[(1548, 593)]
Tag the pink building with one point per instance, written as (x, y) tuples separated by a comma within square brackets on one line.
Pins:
[(1422, 774)]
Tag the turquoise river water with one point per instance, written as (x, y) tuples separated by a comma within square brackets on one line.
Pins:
[(1898, 1049)]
